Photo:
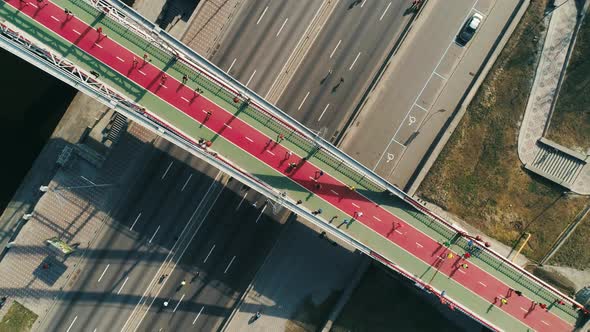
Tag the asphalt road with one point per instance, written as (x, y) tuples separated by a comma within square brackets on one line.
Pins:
[(261, 39), (423, 87), (341, 62), (148, 232)]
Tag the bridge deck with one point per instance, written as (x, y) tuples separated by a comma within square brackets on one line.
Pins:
[(249, 139)]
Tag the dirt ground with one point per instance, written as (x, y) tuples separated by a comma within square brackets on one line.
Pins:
[(479, 177)]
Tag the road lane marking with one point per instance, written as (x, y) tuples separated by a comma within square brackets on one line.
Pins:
[(241, 201), (544, 322), (136, 219), (167, 169), (357, 57), (334, 192), (120, 59), (103, 272), (272, 153), (251, 77), (523, 309), (209, 254), (97, 45), (187, 180), (188, 101), (356, 206), (335, 48), (33, 5), (461, 271), (362, 4), (398, 232), (76, 32), (481, 283), (260, 18), (321, 115), (156, 232), (249, 139), (72, 324), (123, 285), (144, 74), (55, 18), (177, 304), (419, 245), (199, 314), (228, 265), (385, 11), (225, 124), (232, 65), (260, 215), (376, 218), (162, 85), (420, 107), (282, 26), (303, 101)]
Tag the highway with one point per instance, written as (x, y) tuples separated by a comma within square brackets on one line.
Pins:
[(351, 46), (173, 190), (423, 87), (261, 39)]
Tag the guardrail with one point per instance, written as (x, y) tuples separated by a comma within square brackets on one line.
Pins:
[(346, 164)]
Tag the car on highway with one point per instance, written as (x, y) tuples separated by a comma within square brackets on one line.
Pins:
[(469, 29)]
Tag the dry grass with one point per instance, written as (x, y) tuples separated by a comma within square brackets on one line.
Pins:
[(570, 124), (478, 175), (17, 319)]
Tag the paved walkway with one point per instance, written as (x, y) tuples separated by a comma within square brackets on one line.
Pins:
[(250, 139), (539, 107)]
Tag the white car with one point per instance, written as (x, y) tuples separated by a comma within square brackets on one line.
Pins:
[(469, 29)]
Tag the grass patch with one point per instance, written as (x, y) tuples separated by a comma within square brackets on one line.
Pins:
[(479, 177), (18, 319), (574, 251), (570, 123), (382, 304)]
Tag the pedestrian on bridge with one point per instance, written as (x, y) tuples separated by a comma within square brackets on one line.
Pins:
[(135, 62), (358, 214), (184, 79), (503, 301), (163, 79), (288, 155), (316, 212), (466, 255), (465, 266), (208, 115), (318, 174), (450, 255)]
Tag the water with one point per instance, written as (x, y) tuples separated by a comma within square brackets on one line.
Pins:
[(31, 105)]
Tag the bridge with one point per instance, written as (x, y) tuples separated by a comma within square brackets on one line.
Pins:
[(111, 53)]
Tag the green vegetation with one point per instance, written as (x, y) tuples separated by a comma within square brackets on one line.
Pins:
[(382, 304), (570, 123), (18, 319), (478, 175)]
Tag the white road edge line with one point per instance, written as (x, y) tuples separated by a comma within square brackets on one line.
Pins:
[(199, 314), (282, 26), (123, 285), (103, 272), (136, 219), (261, 16), (335, 48), (228, 265), (303, 101)]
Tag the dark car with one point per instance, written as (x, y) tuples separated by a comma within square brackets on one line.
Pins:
[(469, 29)]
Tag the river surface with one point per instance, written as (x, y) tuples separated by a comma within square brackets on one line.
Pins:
[(32, 103)]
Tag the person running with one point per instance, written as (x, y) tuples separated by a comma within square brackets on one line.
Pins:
[(182, 283), (464, 266), (517, 292), (504, 301), (184, 79), (450, 255)]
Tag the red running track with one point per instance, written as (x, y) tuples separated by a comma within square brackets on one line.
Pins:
[(257, 144)]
